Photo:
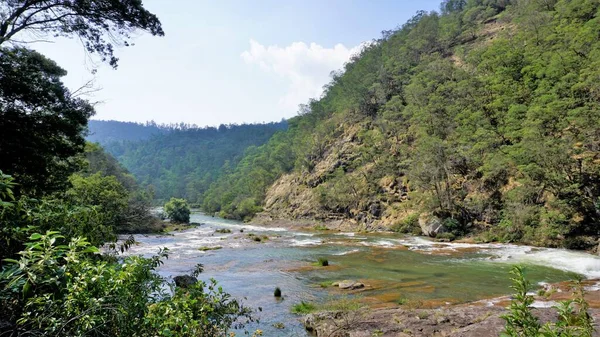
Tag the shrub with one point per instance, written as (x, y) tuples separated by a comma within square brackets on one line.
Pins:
[(323, 262), (454, 226), (178, 210), (573, 320), (223, 231), (520, 321), (303, 308), (277, 292), (63, 288), (408, 225)]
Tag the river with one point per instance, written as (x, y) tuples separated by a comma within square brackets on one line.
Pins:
[(393, 267)]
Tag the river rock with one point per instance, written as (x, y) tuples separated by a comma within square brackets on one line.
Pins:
[(431, 225), (184, 281), (348, 284)]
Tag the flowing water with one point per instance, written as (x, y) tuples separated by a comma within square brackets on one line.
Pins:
[(393, 267)]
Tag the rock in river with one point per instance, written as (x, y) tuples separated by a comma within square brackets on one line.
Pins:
[(184, 281), (348, 284)]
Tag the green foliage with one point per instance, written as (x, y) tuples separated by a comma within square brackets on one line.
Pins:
[(409, 224), (521, 321), (103, 192), (203, 310), (98, 24), (454, 226), (41, 122), (178, 210), (64, 287), (97, 160), (485, 114), (303, 308), (108, 132), (323, 262), (181, 160), (573, 317)]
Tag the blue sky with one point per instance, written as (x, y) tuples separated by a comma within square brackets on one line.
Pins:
[(229, 61)]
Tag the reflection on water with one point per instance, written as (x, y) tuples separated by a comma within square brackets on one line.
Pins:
[(392, 267)]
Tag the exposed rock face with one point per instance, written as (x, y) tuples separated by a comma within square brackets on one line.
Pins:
[(298, 195), (184, 281), (431, 225), (455, 321)]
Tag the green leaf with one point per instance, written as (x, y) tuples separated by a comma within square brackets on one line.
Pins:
[(35, 236), (91, 249)]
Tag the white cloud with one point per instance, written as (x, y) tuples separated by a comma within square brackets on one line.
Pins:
[(305, 67)]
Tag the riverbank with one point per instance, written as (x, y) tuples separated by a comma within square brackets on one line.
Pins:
[(475, 319), (588, 244), (400, 273)]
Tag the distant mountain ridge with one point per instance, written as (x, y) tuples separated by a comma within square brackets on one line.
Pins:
[(104, 132), (179, 160)]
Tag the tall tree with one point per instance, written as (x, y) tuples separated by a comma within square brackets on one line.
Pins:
[(41, 123), (97, 23)]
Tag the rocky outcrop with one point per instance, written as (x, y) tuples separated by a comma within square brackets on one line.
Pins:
[(453, 321), (431, 225), (298, 195)]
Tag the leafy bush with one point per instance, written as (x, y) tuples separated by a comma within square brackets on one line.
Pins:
[(454, 226), (409, 225), (178, 210), (277, 292), (573, 317), (64, 287)]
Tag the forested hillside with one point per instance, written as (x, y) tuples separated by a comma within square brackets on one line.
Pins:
[(482, 117), (183, 160), (105, 132)]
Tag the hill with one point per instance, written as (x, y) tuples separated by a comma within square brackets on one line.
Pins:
[(104, 132), (183, 160), (481, 119)]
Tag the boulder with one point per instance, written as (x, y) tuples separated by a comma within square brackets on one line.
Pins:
[(184, 281), (375, 210), (431, 225), (348, 284)]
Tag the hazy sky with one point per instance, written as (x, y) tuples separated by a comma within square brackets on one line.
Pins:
[(230, 61)]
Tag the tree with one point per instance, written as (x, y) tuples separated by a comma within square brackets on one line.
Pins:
[(97, 23), (105, 193), (41, 122), (178, 210)]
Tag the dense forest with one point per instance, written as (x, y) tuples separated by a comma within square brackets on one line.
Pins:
[(482, 117), (105, 132), (181, 160), (62, 199)]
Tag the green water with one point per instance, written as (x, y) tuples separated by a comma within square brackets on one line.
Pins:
[(394, 268)]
